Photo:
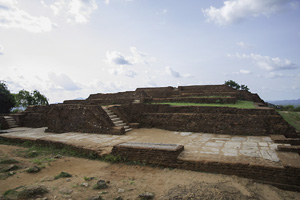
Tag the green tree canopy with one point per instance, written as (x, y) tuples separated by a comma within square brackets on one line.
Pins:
[(7, 100), (236, 86), (25, 98)]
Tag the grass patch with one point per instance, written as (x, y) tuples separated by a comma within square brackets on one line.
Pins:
[(8, 161), (63, 175), (88, 178), (293, 118), (238, 104), (112, 158), (208, 97)]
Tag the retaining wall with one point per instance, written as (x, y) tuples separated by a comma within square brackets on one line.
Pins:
[(227, 100), (286, 177), (36, 116), (220, 120), (78, 118)]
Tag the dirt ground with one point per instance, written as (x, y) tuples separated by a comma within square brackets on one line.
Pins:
[(128, 181)]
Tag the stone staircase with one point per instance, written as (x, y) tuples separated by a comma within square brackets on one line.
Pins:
[(11, 122), (118, 122), (287, 144)]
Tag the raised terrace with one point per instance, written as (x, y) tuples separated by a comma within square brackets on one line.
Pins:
[(218, 134)]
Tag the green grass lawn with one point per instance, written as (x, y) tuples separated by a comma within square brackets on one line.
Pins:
[(293, 118), (238, 104)]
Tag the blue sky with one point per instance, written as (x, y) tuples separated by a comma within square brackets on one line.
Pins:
[(68, 49)]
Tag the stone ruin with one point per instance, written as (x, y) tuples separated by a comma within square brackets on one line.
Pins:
[(118, 113)]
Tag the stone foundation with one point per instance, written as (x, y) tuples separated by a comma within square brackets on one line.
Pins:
[(285, 177), (220, 120), (78, 118), (152, 153)]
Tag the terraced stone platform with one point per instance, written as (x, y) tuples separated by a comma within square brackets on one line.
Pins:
[(202, 151)]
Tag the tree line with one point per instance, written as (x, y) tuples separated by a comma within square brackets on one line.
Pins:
[(22, 99)]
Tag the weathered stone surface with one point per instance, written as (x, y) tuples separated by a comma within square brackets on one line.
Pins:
[(146, 195)]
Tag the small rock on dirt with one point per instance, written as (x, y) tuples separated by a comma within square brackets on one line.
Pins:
[(10, 168), (97, 197), (84, 184), (101, 184), (65, 191), (146, 195), (33, 169), (32, 192), (120, 190), (118, 198), (47, 178)]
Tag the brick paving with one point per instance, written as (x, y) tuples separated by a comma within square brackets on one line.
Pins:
[(259, 150)]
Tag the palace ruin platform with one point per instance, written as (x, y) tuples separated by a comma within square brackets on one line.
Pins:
[(246, 156)]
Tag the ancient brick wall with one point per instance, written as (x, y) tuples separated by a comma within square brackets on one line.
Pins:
[(78, 118), (159, 92), (3, 123), (229, 100), (248, 96), (36, 116), (221, 120), (145, 153), (206, 88), (285, 177)]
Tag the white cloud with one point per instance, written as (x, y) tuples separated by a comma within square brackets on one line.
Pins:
[(116, 58), (243, 45), (106, 2), (1, 49), (268, 63), (136, 57), (238, 10), (63, 81), (169, 71), (240, 72), (244, 71), (77, 11), (82, 9), (119, 70), (13, 17)]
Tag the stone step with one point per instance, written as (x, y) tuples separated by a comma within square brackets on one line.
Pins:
[(115, 119), (283, 140), (120, 124), (295, 148), (11, 121)]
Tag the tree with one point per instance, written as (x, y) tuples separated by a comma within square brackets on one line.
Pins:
[(236, 86), (232, 84), (25, 98), (244, 87), (7, 100)]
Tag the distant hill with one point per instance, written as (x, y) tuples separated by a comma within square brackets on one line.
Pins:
[(286, 102)]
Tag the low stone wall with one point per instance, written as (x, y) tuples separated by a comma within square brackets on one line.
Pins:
[(78, 118), (101, 101), (148, 152), (36, 116), (220, 120), (3, 123), (227, 100), (206, 88), (284, 177)]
